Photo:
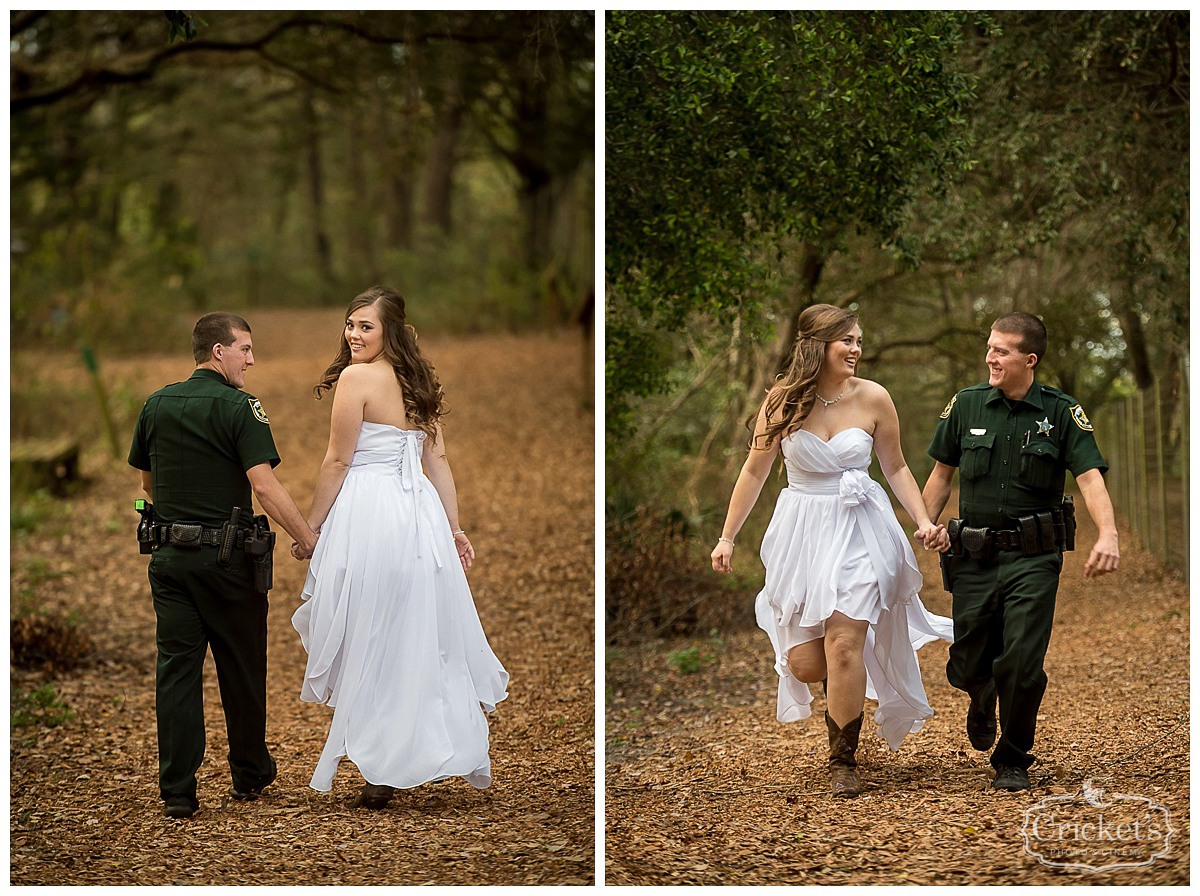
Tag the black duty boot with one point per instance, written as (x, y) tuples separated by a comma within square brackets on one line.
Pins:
[(180, 807), (981, 718), (843, 742), (1011, 778)]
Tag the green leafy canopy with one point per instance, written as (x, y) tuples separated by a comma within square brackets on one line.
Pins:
[(726, 131)]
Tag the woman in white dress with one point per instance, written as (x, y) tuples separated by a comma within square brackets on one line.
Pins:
[(394, 642), (840, 600)]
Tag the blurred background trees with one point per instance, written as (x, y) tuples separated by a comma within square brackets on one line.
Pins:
[(234, 159), (929, 170)]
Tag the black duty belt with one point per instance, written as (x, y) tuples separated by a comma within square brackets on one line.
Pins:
[(189, 535), (1036, 533)]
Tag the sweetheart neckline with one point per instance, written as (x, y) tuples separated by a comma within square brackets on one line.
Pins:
[(836, 434)]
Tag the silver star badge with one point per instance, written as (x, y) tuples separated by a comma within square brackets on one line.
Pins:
[(1044, 426)]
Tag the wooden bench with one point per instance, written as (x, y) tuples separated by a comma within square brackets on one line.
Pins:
[(44, 463)]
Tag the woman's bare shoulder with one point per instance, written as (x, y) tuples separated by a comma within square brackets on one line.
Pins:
[(872, 390)]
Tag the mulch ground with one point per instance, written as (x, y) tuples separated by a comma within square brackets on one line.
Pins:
[(704, 787), (84, 803)]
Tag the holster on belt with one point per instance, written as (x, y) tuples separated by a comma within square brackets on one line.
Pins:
[(1068, 523), (147, 533), (260, 545), (946, 559)]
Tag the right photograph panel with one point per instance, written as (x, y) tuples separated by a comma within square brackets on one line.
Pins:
[(896, 451)]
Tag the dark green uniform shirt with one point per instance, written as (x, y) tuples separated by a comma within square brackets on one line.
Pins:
[(1013, 456), (198, 438)]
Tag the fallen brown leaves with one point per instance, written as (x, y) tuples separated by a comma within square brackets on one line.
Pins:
[(84, 796), (703, 787)]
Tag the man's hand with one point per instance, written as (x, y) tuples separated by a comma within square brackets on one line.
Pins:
[(1104, 557), (934, 538), (304, 552)]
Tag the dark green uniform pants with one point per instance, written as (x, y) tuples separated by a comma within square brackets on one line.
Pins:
[(200, 604), (1003, 613)]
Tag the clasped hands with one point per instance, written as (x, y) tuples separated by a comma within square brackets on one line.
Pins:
[(299, 553), (934, 538)]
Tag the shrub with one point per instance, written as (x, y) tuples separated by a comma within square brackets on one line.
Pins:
[(658, 583), (47, 640)]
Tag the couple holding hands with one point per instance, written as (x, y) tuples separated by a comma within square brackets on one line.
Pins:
[(840, 601), (394, 642)]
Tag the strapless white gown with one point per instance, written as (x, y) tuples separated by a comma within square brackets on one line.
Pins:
[(393, 638), (834, 543)]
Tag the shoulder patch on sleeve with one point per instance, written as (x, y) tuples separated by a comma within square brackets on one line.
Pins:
[(946, 413), (259, 414), (1080, 418)]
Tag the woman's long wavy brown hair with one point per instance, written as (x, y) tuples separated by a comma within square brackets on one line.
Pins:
[(422, 392), (791, 399)]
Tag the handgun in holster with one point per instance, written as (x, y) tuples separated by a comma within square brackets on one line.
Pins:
[(946, 558), (147, 541), (260, 546)]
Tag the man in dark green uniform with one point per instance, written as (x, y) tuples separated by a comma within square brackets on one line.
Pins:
[(204, 446), (1012, 440)]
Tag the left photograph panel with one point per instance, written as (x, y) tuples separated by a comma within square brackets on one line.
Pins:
[(302, 534)]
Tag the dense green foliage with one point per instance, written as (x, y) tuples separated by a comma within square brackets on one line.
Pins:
[(802, 125), (247, 158)]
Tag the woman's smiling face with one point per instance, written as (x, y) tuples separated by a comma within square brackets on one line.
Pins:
[(364, 335), (842, 355)]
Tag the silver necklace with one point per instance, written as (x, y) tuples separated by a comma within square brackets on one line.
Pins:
[(828, 402)]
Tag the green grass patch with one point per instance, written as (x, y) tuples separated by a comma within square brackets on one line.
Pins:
[(42, 707)]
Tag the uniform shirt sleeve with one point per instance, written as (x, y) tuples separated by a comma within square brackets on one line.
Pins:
[(252, 432), (1080, 451), (946, 445), (139, 454)]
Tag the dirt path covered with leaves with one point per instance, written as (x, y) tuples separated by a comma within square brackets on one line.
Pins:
[(703, 786), (84, 796)]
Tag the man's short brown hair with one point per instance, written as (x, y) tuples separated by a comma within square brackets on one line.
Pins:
[(1030, 329), (215, 328)]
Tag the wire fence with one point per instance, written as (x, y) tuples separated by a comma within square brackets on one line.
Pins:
[(1147, 452)]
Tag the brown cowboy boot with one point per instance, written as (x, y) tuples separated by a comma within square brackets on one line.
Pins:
[(843, 742), (373, 796)]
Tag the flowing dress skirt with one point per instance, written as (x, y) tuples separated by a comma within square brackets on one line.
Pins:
[(834, 544), (394, 641)]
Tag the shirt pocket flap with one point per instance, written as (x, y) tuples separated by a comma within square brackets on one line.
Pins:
[(1041, 448), (972, 441), (976, 458)]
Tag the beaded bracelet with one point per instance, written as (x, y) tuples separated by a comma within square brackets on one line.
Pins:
[(728, 541)]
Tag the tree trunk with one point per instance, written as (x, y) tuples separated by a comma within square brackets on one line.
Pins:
[(397, 160), (321, 244), (442, 161), (360, 225), (812, 263), (1135, 343)]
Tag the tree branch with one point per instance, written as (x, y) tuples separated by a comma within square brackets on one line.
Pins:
[(144, 67)]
